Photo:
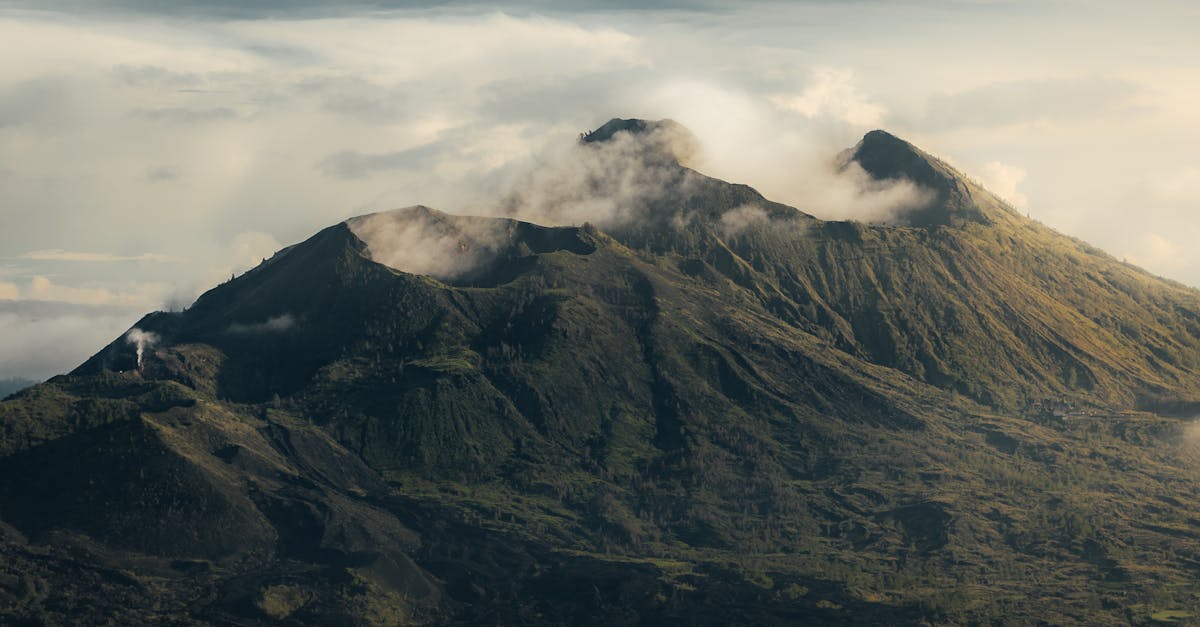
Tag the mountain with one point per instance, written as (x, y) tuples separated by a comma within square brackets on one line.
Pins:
[(707, 408)]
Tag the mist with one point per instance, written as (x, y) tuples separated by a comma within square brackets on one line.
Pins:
[(617, 179), (609, 184), (272, 325), (133, 139), (38, 344)]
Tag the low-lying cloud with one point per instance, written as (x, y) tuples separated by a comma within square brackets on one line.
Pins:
[(609, 183), (628, 179), (615, 183), (58, 254), (351, 164), (37, 344), (275, 324), (742, 218), (419, 241), (42, 289)]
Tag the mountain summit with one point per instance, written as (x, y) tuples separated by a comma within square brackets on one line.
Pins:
[(709, 408), (955, 199), (665, 139)]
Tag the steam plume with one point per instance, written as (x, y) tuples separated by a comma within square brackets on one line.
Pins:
[(142, 340)]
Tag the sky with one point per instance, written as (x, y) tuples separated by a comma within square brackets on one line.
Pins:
[(149, 150)]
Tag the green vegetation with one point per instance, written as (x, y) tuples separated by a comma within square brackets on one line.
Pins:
[(965, 419)]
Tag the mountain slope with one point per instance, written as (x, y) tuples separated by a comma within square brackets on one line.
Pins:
[(715, 409)]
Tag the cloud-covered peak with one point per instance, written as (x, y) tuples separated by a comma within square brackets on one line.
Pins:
[(885, 156), (633, 126), (658, 138), (946, 198), (455, 248)]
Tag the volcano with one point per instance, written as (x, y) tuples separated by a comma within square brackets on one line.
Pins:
[(716, 409)]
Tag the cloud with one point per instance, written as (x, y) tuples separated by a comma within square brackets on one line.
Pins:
[(850, 193), (37, 102), (356, 97), (41, 288), (180, 115), (833, 93), (1167, 253), (450, 105), (1058, 101), (57, 254), (274, 324), (748, 139), (420, 241), (38, 346), (619, 181), (40, 292), (1176, 186), (1003, 179), (243, 252), (259, 9), (611, 184), (248, 249), (737, 220), (156, 77), (162, 173), (350, 164)]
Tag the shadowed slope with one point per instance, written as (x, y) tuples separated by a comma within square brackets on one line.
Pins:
[(723, 411)]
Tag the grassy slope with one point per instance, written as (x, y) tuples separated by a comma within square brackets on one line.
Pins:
[(825, 422)]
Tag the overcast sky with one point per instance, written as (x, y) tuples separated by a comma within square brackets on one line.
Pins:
[(147, 153)]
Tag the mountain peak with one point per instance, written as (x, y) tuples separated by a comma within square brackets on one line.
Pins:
[(633, 126), (458, 248), (885, 156), (569, 425), (955, 199), (654, 139)]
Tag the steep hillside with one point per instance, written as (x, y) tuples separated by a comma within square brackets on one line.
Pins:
[(716, 409)]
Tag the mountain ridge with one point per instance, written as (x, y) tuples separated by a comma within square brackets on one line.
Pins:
[(722, 410), (884, 156)]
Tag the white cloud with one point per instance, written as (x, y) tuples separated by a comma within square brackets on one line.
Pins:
[(248, 249), (58, 254), (9, 291), (41, 288), (743, 138), (1044, 102), (199, 138), (833, 93), (741, 218), (41, 346), (1003, 179), (244, 251), (1177, 184), (274, 324), (477, 48), (1166, 254)]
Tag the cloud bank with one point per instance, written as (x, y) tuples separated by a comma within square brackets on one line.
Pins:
[(214, 132)]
